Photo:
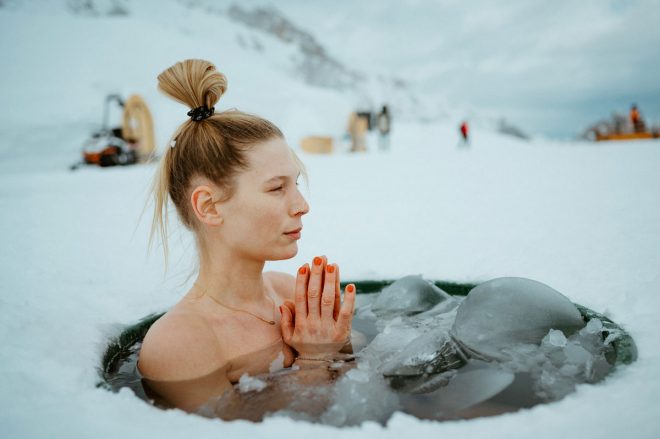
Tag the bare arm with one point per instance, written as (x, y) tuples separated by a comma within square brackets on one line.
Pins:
[(180, 360)]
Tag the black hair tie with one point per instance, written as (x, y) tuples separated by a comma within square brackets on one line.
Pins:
[(201, 113)]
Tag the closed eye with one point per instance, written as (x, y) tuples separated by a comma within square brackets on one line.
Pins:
[(278, 188)]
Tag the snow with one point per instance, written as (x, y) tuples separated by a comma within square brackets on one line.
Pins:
[(581, 218)]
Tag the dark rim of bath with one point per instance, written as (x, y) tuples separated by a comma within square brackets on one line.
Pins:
[(120, 347)]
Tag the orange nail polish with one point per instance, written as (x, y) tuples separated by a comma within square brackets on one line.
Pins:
[(317, 261), (330, 268), (350, 288), (303, 270)]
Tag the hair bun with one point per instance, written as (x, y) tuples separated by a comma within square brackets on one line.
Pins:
[(193, 82)]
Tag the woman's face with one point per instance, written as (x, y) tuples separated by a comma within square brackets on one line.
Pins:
[(263, 218)]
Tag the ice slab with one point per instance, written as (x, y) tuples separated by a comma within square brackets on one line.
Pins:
[(508, 311), (408, 295), (475, 383)]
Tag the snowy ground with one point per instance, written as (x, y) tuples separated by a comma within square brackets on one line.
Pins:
[(579, 217)]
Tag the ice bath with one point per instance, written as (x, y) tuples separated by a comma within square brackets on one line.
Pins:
[(510, 343)]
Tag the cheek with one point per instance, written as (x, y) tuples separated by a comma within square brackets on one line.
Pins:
[(264, 218)]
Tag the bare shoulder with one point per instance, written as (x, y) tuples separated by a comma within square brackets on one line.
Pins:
[(283, 283), (180, 346)]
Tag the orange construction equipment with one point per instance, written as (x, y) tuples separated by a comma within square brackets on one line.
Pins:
[(627, 136), (131, 143)]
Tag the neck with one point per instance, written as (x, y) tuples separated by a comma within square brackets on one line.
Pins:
[(232, 279)]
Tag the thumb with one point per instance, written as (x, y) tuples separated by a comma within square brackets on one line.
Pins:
[(286, 324)]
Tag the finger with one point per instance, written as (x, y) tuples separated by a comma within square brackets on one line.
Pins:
[(286, 324), (328, 296), (346, 311), (314, 288), (292, 309), (335, 311), (302, 279)]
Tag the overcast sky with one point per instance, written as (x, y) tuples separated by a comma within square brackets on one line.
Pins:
[(549, 66)]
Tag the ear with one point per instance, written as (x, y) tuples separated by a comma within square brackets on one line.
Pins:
[(205, 209)]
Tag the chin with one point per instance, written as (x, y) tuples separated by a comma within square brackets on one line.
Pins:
[(285, 253)]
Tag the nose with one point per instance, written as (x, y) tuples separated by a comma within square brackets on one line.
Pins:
[(299, 205)]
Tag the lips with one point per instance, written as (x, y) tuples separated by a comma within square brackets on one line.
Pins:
[(294, 234)]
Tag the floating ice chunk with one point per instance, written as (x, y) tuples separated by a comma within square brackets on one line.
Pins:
[(569, 370), (246, 383), (432, 383), (611, 338), (432, 352), (471, 385), (358, 375), (408, 295), (367, 398), (547, 378), (576, 354), (386, 345), (594, 326), (507, 311), (555, 338), (392, 324)]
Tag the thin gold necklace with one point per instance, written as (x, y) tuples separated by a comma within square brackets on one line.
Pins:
[(270, 322)]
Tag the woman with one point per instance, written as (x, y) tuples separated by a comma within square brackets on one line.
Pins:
[(233, 180)]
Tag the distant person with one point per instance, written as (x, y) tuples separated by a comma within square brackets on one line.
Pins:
[(636, 119), (358, 125), (465, 132), (619, 123), (383, 122)]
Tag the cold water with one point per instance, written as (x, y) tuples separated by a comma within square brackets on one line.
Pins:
[(511, 343)]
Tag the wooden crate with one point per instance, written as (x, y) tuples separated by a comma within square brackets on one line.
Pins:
[(317, 144)]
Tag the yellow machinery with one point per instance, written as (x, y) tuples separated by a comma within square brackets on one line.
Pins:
[(627, 136), (131, 143)]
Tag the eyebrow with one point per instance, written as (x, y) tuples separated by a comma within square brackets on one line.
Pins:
[(280, 177)]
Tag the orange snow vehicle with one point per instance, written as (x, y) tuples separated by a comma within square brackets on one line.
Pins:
[(621, 128), (132, 142)]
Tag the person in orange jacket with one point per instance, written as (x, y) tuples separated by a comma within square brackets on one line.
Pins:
[(636, 119)]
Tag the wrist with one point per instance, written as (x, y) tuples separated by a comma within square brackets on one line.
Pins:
[(318, 357)]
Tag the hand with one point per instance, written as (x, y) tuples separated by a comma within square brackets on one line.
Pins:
[(318, 325)]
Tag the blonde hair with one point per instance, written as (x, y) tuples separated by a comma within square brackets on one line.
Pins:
[(213, 147)]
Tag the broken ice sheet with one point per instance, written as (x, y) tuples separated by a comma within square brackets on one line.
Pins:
[(408, 295), (475, 383), (504, 312)]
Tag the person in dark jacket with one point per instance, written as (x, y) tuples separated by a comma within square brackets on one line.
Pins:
[(383, 122)]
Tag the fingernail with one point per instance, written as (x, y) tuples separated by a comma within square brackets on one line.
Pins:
[(350, 288), (330, 268), (303, 270), (318, 261)]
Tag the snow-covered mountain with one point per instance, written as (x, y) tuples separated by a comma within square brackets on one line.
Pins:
[(549, 68), (73, 53)]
